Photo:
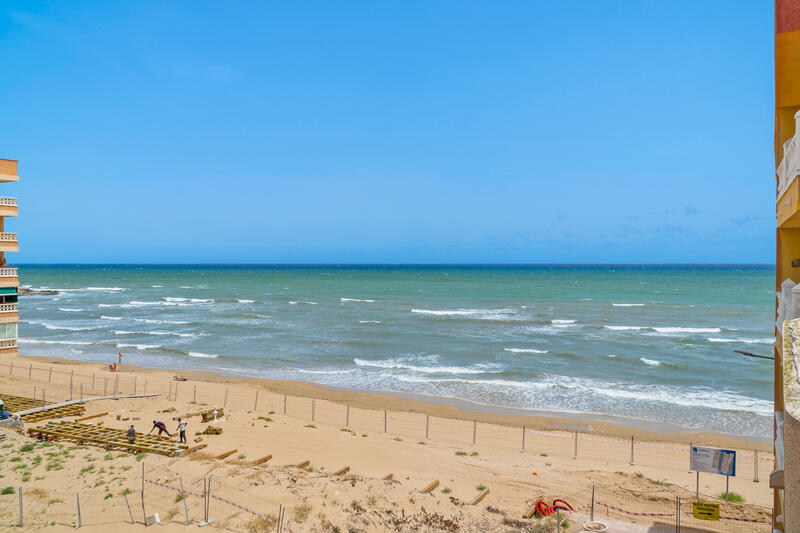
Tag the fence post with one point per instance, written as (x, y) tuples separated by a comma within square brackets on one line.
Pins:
[(558, 520), (591, 515), (34, 393), (225, 402), (144, 512), (284, 404), (78, 501), (44, 397), (92, 381), (280, 519), (677, 515), (427, 426), (145, 386), (50, 375), (255, 403), (523, 440), (185, 507), (313, 409), (633, 462), (205, 500), (208, 499), (385, 422), (21, 522), (755, 466), (129, 506), (575, 454), (30, 369), (727, 486), (175, 394), (81, 391), (474, 431), (194, 395), (134, 385), (11, 370), (690, 457), (70, 383), (116, 385), (347, 418), (105, 386)]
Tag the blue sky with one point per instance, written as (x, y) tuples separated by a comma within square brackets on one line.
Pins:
[(390, 131)]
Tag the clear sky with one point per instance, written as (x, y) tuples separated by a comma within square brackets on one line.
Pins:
[(616, 131)]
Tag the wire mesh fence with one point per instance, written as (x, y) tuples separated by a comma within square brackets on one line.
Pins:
[(54, 384)]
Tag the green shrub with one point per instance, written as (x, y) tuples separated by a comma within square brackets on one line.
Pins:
[(733, 497), (7, 490)]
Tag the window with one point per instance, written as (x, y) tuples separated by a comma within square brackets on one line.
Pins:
[(8, 331)]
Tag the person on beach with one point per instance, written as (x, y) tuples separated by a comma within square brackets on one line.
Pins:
[(119, 364), (131, 435), (161, 427), (182, 429)]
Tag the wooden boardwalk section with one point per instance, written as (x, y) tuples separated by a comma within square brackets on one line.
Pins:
[(15, 404), (109, 438)]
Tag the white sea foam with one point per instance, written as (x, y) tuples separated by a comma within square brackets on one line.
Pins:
[(203, 355), (766, 340), (104, 317), (56, 327), (355, 300), (106, 289), (651, 362), (42, 341), (70, 310), (477, 314), (246, 301), (175, 299), (201, 300), (561, 323), (157, 286), (524, 350), (140, 303), (369, 321), (168, 333), (151, 321), (627, 305), (612, 356), (304, 371), (686, 330), (138, 346), (395, 364), (624, 328), (296, 302)]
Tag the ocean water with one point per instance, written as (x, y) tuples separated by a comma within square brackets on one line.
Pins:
[(647, 342)]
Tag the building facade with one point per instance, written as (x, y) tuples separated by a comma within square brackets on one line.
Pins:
[(785, 479), (9, 281)]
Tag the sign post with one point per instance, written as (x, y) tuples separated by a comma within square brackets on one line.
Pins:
[(714, 461)]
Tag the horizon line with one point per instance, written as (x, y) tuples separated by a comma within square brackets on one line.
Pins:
[(337, 264)]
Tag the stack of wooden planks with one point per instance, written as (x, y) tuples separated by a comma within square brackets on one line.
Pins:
[(15, 404)]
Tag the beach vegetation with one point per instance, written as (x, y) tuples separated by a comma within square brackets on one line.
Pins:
[(141, 456), (364, 435), (125, 492), (480, 488), (659, 483), (178, 497), (733, 497), (264, 418), (107, 496), (542, 455), (27, 447), (474, 454), (423, 443), (398, 439), (447, 490), (26, 477), (312, 426), (639, 475), (37, 460), (301, 511), (16, 459), (86, 469), (7, 490), (242, 456), (108, 457), (461, 454), (357, 507)]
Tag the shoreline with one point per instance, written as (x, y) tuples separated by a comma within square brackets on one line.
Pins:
[(455, 408)]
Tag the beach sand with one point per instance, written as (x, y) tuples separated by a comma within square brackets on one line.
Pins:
[(315, 500)]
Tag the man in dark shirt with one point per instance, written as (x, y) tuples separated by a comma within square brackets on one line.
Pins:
[(131, 435), (162, 428)]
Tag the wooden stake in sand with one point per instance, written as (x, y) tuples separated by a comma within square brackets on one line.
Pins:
[(90, 417), (304, 464), (262, 460), (388, 477), (480, 497), (226, 454), (433, 484), (342, 471)]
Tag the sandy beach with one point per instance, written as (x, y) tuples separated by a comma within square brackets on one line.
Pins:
[(372, 434)]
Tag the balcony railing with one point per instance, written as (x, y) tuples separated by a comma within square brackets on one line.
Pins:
[(8, 343), (5, 200), (8, 237), (8, 272), (789, 168), (8, 308)]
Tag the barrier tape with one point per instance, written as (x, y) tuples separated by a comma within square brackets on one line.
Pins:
[(631, 513)]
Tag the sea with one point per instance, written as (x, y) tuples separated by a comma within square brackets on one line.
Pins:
[(641, 342)]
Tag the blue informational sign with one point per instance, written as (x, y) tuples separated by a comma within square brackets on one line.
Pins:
[(713, 460)]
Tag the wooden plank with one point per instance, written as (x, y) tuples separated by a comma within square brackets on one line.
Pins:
[(98, 415), (262, 460), (342, 471), (195, 448), (304, 464), (530, 513), (432, 485), (226, 454), (480, 497), (388, 477)]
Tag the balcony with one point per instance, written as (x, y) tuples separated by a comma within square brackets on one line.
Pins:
[(8, 278), (8, 242), (8, 308), (787, 209), (8, 207), (786, 476), (8, 170)]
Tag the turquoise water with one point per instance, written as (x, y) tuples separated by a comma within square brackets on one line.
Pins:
[(654, 343)]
